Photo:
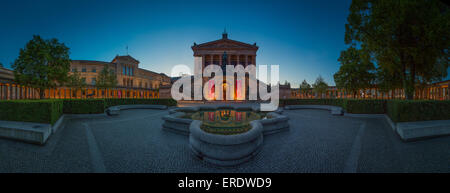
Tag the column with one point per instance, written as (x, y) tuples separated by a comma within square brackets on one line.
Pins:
[(246, 60), (238, 59), (203, 61), (13, 91), (212, 59), (1, 91), (448, 91)]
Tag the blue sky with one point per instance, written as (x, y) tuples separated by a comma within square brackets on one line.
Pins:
[(303, 37)]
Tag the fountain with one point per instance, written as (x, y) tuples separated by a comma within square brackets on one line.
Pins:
[(225, 135)]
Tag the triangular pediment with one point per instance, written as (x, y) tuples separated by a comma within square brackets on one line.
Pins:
[(225, 44)]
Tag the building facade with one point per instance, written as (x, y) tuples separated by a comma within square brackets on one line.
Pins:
[(224, 52), (127, 72), (132, 81), (436, 91)]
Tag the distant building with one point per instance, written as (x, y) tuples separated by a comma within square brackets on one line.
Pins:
[(132, 81), (127, 71), (6, 75)]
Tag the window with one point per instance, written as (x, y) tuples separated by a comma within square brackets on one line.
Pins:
[(83, 70), (94, 70), (74, 70), (124, 70), (93, 81)]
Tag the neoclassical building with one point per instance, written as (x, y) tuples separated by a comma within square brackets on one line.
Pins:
[(224, 52), (127, 71), (237, 52), (132, 81)]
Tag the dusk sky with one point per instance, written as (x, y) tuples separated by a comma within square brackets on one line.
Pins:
[(303, 37)]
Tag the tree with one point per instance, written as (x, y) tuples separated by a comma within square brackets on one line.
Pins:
[(287, 83), (305, 87), (42, 64), (75, 82), (1, 65), (106, 79), (320, 86), (407, 39), (356, 71)]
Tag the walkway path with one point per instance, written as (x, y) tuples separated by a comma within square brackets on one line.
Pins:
[(316, 142)]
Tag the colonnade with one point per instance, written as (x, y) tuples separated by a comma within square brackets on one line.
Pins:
[(435, 92), (9, 91)]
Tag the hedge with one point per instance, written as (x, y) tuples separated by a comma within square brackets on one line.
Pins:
[(38, 111), (369, 106), (49, 110), (397, 110), (334, 102), (115, 102), (83, 106), (417, 110)]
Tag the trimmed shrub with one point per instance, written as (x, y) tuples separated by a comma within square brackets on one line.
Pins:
[(365, 106), (417, 110), (38, 111), (125, 101), (334, 102), (83, 106)]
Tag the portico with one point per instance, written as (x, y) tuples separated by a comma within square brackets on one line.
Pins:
[(224, 52)]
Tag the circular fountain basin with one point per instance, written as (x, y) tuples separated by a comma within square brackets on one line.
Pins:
[(225, 135), (225, 150)]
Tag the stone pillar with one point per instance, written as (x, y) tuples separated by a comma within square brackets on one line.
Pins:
[(238, 62), (1, 92), (448, 91), (8, 91), (246, 60), (220, 59), (13, 91), (203, 61)]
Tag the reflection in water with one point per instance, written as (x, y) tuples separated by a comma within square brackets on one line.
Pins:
[(226, 121)]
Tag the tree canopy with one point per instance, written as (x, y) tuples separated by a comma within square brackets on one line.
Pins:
[(75, 81), (320, 86), (407, 39), (305, 87), (356, 71), (106, 79), (42, 64)]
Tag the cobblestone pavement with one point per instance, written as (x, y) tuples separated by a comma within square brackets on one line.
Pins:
[(316, 142)]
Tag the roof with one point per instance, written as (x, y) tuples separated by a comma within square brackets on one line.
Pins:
[(90, 62), (225, 43), (126, 57)]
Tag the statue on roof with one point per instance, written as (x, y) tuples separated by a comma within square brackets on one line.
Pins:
[(224, 34)]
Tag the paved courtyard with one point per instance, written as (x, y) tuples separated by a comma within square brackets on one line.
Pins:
[(315, 142)]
